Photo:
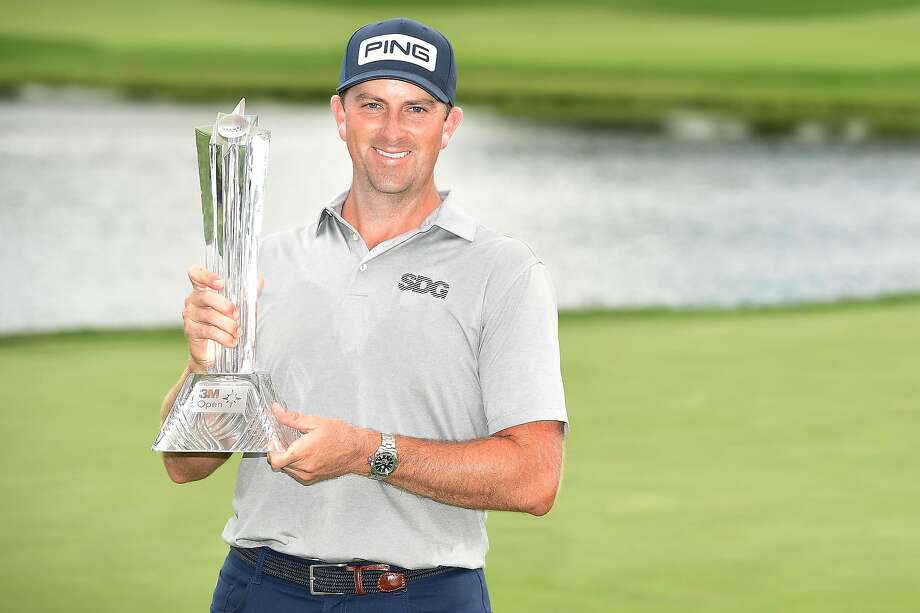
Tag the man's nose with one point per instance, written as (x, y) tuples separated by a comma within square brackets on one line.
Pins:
[(392, 130)]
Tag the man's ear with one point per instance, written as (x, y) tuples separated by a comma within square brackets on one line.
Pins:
[(454, 117), (338, 111)]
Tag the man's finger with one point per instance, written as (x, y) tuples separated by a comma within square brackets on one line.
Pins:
[(300, 476), (196, 331), (281, 459), (213, 300), (293, 419), (211, 317), (299, 450), (278, 460), (202, 278), (214, 318)]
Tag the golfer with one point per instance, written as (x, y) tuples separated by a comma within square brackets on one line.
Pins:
[(417, 351)]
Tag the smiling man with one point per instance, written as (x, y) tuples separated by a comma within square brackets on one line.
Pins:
[(418, 353)]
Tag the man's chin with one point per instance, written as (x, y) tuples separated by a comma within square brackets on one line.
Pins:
[(391, 187)]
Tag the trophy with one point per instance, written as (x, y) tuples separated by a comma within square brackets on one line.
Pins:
[(229, 408)]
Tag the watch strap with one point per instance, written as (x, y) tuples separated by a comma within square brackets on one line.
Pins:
[(387, 443)]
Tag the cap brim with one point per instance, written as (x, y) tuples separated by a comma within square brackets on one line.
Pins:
[(399, 75)]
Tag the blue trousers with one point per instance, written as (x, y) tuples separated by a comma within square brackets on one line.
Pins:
[(242, 588)]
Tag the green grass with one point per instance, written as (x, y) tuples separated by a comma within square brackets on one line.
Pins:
[(748, 461), (627, 63)]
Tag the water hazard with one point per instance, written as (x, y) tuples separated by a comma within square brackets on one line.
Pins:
[(100, 212)]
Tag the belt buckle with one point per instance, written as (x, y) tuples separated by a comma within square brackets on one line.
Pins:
[(314, 592)]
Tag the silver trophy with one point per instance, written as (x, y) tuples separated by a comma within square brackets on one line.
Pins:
[(229, 409)]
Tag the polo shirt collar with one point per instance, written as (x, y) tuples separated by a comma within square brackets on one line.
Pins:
[(447, 215)]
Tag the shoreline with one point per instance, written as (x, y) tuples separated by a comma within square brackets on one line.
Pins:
[(657, 106), (905, 299)]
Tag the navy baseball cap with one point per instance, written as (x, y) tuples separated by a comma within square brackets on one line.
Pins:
[(401, 49)]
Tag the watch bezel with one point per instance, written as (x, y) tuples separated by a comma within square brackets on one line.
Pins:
[(383, 455)]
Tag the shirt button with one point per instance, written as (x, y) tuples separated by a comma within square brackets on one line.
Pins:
[(354, 236), (363, 267)]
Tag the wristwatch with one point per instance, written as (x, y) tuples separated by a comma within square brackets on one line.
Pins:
[(383, 462)]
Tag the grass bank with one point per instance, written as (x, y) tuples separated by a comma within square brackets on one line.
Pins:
[(717, 461), (623, 63)]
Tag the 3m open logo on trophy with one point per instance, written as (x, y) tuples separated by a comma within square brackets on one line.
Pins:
[(229, 409)]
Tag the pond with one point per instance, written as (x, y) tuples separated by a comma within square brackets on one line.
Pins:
[(99, 208)]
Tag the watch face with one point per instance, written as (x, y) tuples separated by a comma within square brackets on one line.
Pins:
[(384, 463)]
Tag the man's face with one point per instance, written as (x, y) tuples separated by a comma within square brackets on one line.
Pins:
[(394, 131)]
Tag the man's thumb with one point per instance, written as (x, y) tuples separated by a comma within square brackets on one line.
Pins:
[(293, 419)]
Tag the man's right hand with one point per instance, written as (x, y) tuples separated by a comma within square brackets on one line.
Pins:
[(207, 316)]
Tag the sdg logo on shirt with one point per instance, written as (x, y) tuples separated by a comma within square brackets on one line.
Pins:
[(423, 285)]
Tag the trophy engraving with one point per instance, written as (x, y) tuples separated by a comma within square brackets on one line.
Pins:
[(229, 408)]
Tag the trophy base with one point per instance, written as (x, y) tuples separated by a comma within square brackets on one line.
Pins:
[(224, 412)]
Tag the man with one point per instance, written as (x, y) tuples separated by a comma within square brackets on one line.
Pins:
[(419, 352)]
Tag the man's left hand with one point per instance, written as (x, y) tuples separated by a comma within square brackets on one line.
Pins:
[(329, 448)]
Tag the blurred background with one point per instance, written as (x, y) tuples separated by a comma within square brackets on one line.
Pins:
[(725, 193)]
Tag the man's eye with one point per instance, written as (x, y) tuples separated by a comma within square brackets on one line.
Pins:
[(372, 105), (417, 109)]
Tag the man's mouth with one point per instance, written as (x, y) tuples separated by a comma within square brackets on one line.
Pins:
[(393, 155)]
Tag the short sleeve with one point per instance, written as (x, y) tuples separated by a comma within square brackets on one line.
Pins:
[(519, 369)]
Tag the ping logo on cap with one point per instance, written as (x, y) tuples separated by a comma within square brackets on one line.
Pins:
[(399, 47)]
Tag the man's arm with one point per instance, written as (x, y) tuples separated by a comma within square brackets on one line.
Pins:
[(185, 467), (517, 469), (207, 316)]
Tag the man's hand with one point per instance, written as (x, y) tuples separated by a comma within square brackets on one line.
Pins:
[(207, 316), (328, 449)]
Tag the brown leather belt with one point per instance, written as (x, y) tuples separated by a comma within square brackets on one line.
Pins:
[(347, 578)]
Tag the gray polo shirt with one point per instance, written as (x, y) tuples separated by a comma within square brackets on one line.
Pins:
[(447, 331)]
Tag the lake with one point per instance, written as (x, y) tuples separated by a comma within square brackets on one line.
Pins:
[(100, 212)]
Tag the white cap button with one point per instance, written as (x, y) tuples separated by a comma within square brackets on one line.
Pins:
[(363, 267)]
